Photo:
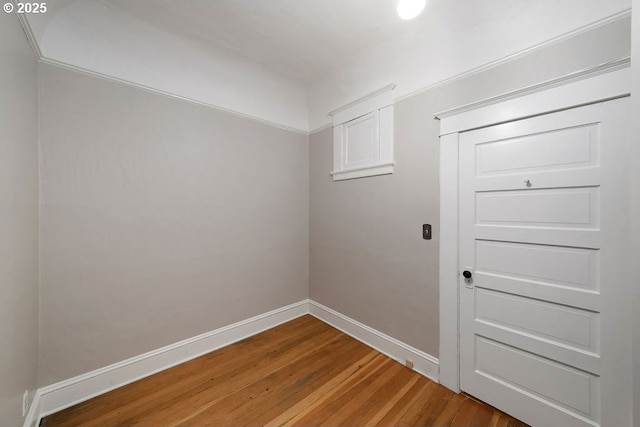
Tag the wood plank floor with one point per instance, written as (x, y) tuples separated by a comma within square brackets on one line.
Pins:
[(302, 373)]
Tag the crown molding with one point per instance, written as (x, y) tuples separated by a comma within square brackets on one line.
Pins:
[(569, 78), (26, 27), (477, 70), (65, 65), (91, 73), (321, 128)]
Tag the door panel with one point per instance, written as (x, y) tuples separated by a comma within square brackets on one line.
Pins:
[(544, 378), (541, 217), (554, 322), (573, 267), (566, 208), (543, 291), (570, 355), (573, 147)]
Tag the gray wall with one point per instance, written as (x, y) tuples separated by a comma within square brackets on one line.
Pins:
[(635, 210), (18, 220), (160, 220), (367, 257)]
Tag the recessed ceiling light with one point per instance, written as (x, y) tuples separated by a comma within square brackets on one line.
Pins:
[(409, 9)]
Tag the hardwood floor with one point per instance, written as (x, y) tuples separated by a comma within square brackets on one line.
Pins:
[(303, 373)]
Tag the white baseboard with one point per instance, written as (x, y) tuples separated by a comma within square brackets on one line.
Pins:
[(423, 363), (33, 415), (64, 394), (61, 395)]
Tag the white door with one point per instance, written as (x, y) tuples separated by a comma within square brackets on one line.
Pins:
[(543, 221)]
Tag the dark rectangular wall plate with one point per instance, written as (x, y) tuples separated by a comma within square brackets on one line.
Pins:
[(426, 231)]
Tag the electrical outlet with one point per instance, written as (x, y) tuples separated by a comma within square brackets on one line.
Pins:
[(25, 403)]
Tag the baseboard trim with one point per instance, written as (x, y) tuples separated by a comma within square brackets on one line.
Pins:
[(56, 397), (33, 415), (64, 394), (423, 363)]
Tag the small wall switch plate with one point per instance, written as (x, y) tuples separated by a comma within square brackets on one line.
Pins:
[(426, 231), (25, 403)]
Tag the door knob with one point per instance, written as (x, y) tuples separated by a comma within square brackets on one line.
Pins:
[(467, 274)]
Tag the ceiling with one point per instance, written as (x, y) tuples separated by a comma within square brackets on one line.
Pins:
[(300, 38), (306, 39)]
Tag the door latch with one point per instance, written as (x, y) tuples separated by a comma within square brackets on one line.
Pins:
[(467, 276)]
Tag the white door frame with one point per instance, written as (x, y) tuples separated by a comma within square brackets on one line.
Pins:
[(602, 83)]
